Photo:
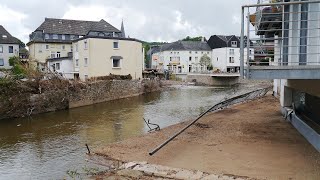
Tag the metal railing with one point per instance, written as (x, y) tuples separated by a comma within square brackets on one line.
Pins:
[(284, 34)]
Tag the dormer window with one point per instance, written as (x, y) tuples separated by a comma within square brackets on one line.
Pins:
[(55, 36), (46, 36), (4, 36), (234, 43)]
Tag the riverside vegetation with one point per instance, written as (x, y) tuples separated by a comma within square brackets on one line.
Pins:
[(25, 91)]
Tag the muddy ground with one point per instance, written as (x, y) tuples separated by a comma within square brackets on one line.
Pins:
[(250, 139)]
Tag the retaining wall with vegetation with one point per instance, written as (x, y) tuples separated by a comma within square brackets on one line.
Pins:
[(20, 99)]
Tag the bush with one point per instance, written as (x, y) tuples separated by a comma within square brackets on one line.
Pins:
[(18, 70)]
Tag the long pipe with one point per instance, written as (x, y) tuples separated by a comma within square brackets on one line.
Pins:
[(174, 136), (215, 107)]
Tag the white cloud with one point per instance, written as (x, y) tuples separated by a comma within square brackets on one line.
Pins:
[(13, 21)]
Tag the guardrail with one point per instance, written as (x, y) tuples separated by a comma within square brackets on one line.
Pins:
[(284, 34)]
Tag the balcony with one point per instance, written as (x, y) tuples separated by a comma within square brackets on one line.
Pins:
[(287, 37)]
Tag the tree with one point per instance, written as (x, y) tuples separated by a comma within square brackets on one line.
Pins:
[(205, 60), (188, 38)]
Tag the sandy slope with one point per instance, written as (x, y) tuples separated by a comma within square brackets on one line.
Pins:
[(250, 139)]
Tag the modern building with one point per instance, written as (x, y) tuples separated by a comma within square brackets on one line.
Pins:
[(226, 53), (9, 47), (72, 48), (182, 57), (293, 26)]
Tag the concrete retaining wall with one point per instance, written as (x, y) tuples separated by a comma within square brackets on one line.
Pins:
[(207, 80)]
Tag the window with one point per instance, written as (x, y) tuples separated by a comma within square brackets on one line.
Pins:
[(10, 49), (76, 47), (86, 77), (196, 58), (234, 43), (231, 59), (1, 62), (47, 46), (53, 55), (190, 58), (77, 62), (63, 37), (71, 48), (58, 54), (250, 51), (115, 45), (57, 66), (1, 49), (55, 36), (190, 52), (115, 63), (85, 62), (217, 59), (202, 52), (85, 44), (196, 52), (231, 51), (63, 47), (46, 36)]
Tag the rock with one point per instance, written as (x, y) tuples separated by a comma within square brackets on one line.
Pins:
[(186, 174), (130, 173), (210, 177)]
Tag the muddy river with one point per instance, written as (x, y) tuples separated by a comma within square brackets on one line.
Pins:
[(46, 146)]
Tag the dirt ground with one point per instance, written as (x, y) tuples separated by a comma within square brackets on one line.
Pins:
[(250, 139)]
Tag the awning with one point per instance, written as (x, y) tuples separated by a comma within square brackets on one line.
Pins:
[(116, 57)]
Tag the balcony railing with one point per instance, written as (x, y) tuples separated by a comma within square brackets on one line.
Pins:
[(287, 35)]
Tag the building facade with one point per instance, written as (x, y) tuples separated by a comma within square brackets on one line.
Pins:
[(226, 53), (293, 26), (80, 49), (9, 47), (96, 56), (182, 57)]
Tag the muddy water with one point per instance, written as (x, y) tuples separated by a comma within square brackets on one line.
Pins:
[(46, 146)]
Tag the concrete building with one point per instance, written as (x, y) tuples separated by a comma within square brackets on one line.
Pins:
[(296, 67), (54, 37), (9, 47), (84, 49), (226, 53), (96, 56), (181, 57)]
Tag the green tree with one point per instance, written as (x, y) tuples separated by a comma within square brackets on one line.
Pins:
[(188, 38), (205, 60)]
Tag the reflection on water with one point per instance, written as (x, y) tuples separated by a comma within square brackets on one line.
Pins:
[(47, 145)]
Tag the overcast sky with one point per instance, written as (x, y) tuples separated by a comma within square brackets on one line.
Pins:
[(150, 20)]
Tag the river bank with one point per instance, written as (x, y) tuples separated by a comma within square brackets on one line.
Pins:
[(250, 140)]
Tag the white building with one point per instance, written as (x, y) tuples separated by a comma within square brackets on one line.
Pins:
[(63, 66), (181, 57), (226, 53), (9, 47), (294, 27)]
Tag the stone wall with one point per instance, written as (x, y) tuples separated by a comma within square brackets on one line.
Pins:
[(73, 95), (207, 80)]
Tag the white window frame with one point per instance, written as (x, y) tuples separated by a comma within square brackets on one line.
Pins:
[(57, 65), (63, 47), (234, 43), (77, 63), (58, 54), (119, 64), (231, 51), (231, 60), (86, 62), (2, 62), (85, 44), (63, 37), (52, 55), (47, 46), (114, 43), (9, 50), (55, 36), (46, 36)]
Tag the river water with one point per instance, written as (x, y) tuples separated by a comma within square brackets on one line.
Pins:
[(46, 146)]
